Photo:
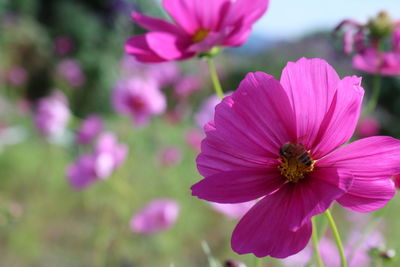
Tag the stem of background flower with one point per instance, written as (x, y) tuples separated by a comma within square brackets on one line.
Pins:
[(337, 237), (376, 88), (214, 78), (315, 240)]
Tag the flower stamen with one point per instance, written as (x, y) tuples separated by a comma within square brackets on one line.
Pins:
[(296, 162), (200, 35)]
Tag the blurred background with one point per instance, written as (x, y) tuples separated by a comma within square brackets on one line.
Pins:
[(71, 53)]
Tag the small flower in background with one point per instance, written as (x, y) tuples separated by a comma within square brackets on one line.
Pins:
[(368, 126), (89, 129), (367, 39), (71, 71), (187, 85), (193, 138), (264, 125), (206, 112), (233, 211), (164, 74), (107, 156), (63, 45), (158, 215), (197, 27), (17, 76), (52, 114), (138, 98), (170, 156)]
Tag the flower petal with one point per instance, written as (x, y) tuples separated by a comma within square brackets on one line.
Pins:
[(154, 24), (137, 46), (238, 186), (372, 161), (314, 194), (168, 46), (249, 127), (341, 119), (264, 231), (311, 85)]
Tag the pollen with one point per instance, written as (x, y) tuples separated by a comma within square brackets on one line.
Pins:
[(200, 35), (296, 162)]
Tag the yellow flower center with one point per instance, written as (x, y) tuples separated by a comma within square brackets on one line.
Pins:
[(296, 162), (200, 35)]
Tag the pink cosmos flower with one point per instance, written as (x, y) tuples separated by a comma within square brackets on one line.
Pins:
[(198, 26), (71, 71), (17, 76), (139, 98), (63, 45), (281, 142), (187, 85), (158, 215), (193, 138), (170, 156), (52, 114), (396, 180), (107, 156), (233, 211), (368, 126), (373, 61), (89, 129)]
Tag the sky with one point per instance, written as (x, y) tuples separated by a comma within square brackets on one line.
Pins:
[(288, 19)]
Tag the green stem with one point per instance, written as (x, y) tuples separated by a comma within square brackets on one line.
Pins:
[(373, 101), (337, 237), (214, 78), (315, 240)]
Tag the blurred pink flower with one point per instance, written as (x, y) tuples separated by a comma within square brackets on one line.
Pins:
[(170, 156), (197, 27), (138, 98), (89, 129), (233, 211), (373, 61), (63, 45), (368, 126), (52, 114), (193, 138), (264, 125), (187, 85), (158, 215), (71, 71), (164, 74), (17, 76), (206, 112), (107, 156)]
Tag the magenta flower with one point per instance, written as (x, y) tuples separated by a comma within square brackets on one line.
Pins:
[(198, 26), (108, 155), (280, 142), (186, 86), (396, 180), (193, 138), (170, 156), (373, 61), (233, 211), (71, 71), (89, 129), (368, 126), (52, 114), (138, 98), (17, 76), (158, 215)]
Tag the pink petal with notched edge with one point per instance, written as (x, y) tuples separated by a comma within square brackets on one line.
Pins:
[(137, 46), (264, 231), (168, 46), (183, 13), (238, 186), (314, 194), (249, 127), (311, 85), (155, 24), (341, 119), (372, 161)]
